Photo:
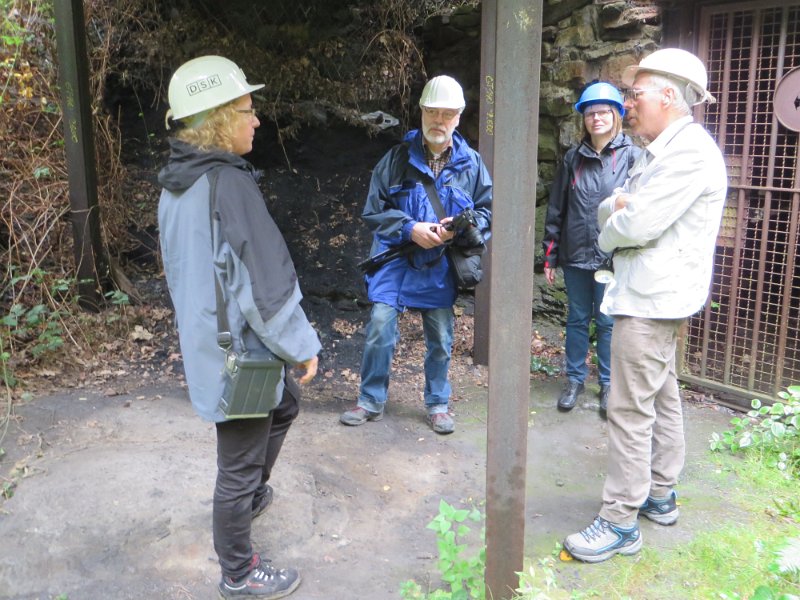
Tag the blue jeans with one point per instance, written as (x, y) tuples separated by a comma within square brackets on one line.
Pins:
[(382, 337), (585, 296)]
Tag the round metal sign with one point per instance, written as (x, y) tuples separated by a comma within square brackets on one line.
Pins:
[(787, 100)]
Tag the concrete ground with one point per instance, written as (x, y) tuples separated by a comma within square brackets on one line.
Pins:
[(114, 501)]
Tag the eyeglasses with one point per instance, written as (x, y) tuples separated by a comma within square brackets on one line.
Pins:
[(447, 115), (633, 94), (246, 111), (601, 113)]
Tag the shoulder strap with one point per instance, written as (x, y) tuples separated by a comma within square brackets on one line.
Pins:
[(429, 185), (433, 197), (224, 337)]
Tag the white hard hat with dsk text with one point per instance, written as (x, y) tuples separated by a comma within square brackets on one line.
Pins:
[(675, 63), (204, 83), (442, 92)]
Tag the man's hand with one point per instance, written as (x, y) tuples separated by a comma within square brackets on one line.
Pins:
[(426, 235), (310, 368), (550, 275), (621, 201), (444, 234)]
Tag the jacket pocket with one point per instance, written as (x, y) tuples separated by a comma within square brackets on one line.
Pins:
[(652, 271)]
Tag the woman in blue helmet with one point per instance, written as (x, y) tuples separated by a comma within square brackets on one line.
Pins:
[(588, 175)]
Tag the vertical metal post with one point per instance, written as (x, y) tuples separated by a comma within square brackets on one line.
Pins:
[(73, 78), (483, 296), (518, 34)]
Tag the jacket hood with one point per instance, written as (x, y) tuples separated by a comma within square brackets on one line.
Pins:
[(188, 163)]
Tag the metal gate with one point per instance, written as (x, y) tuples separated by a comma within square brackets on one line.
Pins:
[(746, 341)]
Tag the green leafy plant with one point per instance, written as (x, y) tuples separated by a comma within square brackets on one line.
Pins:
[(788, 508), (121, 301), (772, 430), (37, 322), (7, 489), (783, 570), (538, 583), (118, 298), (464, 574), (541, 364), (787, 560), (32, 325)]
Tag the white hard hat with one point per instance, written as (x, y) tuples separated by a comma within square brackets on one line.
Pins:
[(675, 63), (204, 83), (442, 92)]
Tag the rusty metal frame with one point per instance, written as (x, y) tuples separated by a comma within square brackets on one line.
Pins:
[(757, 280)]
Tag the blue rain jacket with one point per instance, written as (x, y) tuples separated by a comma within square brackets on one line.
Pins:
[(397, 200)]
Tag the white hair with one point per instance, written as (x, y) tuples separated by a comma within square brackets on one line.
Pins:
[(685, 95)]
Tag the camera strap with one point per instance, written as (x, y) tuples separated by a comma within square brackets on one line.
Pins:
[(436, 203), (433, 197)]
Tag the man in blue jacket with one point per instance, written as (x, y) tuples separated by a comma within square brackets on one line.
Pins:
[(399, 210)]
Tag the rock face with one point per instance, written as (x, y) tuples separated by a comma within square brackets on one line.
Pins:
[(583, 40)]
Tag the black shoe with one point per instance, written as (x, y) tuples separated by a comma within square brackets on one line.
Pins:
[(604, 389), (569, 397), (263, 581)]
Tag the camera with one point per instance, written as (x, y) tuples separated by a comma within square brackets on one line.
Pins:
[(465, 224)]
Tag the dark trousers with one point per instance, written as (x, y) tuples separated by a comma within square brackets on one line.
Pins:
[(246, 452)]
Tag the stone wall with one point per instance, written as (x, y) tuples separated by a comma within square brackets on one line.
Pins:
[(584, 40)]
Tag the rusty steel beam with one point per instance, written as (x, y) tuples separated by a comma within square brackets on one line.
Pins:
[(783, 319), (742, 204), (483, 296), (517, 35), (73, 78)]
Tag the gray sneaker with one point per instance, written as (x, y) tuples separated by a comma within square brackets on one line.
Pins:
[(602, 539), (442, 423), (359, 416), (663, 511), (263, 581)]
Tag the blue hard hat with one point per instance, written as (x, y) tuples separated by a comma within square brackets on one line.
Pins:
[(600, 93)]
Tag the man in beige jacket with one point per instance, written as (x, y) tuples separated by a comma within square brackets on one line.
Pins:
[(662, 227)]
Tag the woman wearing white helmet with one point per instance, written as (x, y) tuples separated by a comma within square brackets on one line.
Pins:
[(208, 185), (588, 174)]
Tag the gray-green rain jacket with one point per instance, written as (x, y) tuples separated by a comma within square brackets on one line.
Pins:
[(250, 258)]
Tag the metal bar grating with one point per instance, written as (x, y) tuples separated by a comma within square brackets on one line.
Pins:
[(746, 338)]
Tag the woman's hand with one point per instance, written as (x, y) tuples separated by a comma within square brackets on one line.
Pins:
[(550, 275), (310, 368)]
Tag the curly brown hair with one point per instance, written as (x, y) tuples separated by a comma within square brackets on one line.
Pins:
[(216, 130)]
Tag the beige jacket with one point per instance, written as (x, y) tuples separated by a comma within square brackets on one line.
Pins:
[(664, 239)]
